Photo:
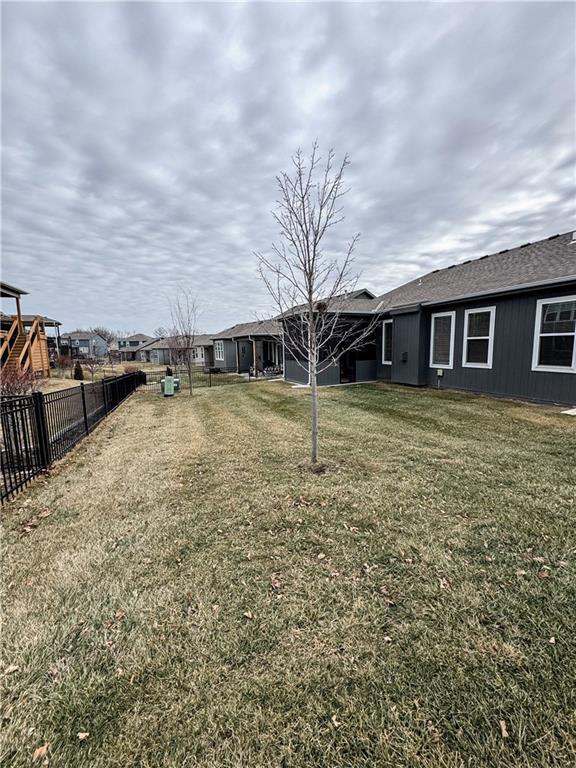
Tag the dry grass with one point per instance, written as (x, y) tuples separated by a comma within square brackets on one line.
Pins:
[(196, 597)]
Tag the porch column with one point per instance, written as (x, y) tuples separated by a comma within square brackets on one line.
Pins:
[(255, 357), (19, 315)]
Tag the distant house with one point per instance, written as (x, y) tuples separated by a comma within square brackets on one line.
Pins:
[(128, 346), (169, 351), (502, 324), (23, 340), (83, 344), (255, 346)]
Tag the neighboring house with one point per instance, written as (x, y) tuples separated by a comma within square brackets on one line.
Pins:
[(23, 340), (203, 351), (503, 324), (129, 346), (83, 344), (168, 351), (356, 309), (245, 347)]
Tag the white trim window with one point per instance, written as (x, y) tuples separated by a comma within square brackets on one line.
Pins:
[(219, 350), (478, 337), (387, 342), (442, 340), (555, 335)]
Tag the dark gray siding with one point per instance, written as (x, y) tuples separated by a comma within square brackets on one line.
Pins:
[(366, 370), (295, 373), (229, 355), (330, 376), (408, 341), (511, 373), (244, 355)]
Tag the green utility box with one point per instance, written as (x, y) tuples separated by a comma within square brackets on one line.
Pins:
[(169, 385)]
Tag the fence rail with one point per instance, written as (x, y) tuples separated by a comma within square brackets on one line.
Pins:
[(37, 429), (201, 377)]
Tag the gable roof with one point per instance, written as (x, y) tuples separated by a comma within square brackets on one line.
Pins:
[(29, 319), (203, 340), (361, 300), (145, 345), (169, 342), (81, 335), (270, 327), (533, 264), (137, 337)]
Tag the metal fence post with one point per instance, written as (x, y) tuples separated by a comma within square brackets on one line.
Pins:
[(104, 398), (44, 452), (209, 377), (84, 408)]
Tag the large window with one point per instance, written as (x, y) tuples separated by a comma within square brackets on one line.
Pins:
[(219, 350), (555, 335), (478, 337), (442, 340), (387, 342)]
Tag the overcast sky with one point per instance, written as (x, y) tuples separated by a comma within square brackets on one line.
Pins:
[(141, 142)]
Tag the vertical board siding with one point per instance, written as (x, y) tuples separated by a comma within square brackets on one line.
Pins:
[(511, 374)]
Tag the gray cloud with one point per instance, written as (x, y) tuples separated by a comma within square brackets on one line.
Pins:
[(141, 142)]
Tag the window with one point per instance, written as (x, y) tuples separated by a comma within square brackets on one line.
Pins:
[(219, 350), (555, 335), (478, 337), (387, 342), (442, 340)]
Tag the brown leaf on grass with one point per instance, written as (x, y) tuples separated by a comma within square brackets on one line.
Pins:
[(335, 722), (119, 615), (248, 615), (444, 583), (504, 729), (275, 582), (433, 732), (11, 669), (544, 573), (40, 752), (83, 735), (44, 513)]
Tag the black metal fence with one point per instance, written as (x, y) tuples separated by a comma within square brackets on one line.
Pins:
[(37, 429), (201, 377)]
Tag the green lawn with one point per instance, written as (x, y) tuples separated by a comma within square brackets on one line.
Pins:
[(193, 596)]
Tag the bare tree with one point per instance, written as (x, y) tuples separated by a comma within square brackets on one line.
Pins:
[(310, 286), (184, 314), (93, 364)]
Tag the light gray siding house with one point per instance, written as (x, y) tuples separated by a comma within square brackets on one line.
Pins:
[(129, 346), (166, 351), (83, 344)]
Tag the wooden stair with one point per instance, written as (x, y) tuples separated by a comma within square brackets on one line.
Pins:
[(21, 351)]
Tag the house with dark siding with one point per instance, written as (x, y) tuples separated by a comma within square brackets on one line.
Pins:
[(245, 347), (503, 324)]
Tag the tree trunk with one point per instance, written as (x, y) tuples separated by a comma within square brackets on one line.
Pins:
[(314, 406)]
